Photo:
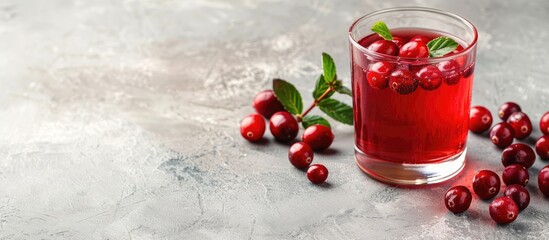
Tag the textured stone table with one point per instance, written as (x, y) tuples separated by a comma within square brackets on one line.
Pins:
[(119, 120)]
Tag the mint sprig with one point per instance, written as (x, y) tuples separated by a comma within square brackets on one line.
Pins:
[(337, 110), (288, 95), (382, 30), (329, 68), (441, 46), (314, 119)]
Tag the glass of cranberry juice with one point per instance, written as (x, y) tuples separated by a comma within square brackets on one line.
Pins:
[(411, 114)]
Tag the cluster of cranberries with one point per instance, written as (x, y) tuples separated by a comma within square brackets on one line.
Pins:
[(404, 79), (516, 158), (284, 128)]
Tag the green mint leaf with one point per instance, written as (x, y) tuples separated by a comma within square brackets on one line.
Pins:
[(310, 120), (337, 110), (321, 87), (329, 68), (344, 90), (440, 46), (382, 30), (288, 95)]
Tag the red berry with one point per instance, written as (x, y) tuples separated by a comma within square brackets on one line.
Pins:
[(283, 126), (399, 41), (266, 103), (480, 119), (414, 49), (503, 210), (486, 184), (458, 49), (518, 153), (543, 180), (420, 38), (429, 77), (450, 71), (300, 155), (507, 109), (544, 123), (542, 147), (319, 137), (252, 127), (402, 81), (384, 47), (502, 135), (519, 194), (378, 75), (521, 124), (515, 174), (317, 173), (458, 199), (468, 71)]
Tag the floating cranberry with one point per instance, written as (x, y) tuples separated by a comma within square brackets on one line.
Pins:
[(542, 147), (317, 173), (414, 49), (503, 210), (252, 127), (544, 123), (502, 135), (486, 184), (518, 153), (450, 71), (266, 103), (458, 199), (318, 137), (521, 124), (519, 194), (399, 41), (402, 81), (543, 180), (420, 38), (458, 49), (515, 174), (507, 109), (300, 155), (480, 119), (378, 75), (283, 126), (429, 77), (469, 70), (384, 47)]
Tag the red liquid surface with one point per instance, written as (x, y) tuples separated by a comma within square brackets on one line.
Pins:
[(421, 127)]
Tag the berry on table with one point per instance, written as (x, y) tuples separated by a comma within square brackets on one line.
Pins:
[(521, 124), (507, 109), (283, 126), (429, 77), (480, 119), (252, 127), (502, 135), (300, 155), (266, 103), (518, 153), (402, 82), (544, 123), (450, 70), (458, 199), (542, 147), (317, 173), (318, 137), (378, 75), (414, 49), (503, 210), (543, 181), (384, 47), (519, 194), (515, 174), (486, 184)]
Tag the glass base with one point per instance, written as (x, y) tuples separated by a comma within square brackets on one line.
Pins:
[(410, 174)]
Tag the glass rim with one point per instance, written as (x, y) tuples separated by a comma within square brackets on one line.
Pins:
[(415, 9)]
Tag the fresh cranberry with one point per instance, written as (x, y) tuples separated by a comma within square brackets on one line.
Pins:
[(402, 81), (519, 194), (507, 109), (399, 41), (458, 199), (544, 123), (283, 126), (543, 180), (480, 119), (518, 153), (378, 75), (458, 49), (469, 70), (521, 124), (384, 47), (486, 184), (300, 155), (450, 71), (252, 127), (515, 174), (542, 147), (319, 137), (317, 173), (503, 210), (502, 135), (266, 103), (429, 77), (420, 38), (414, 49)]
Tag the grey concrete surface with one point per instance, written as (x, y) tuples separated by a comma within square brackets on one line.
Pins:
[(119, 120)]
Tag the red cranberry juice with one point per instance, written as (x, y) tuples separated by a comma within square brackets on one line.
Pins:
[(419, 127)]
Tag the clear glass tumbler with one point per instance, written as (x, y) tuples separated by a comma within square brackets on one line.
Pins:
[(414, 135)]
